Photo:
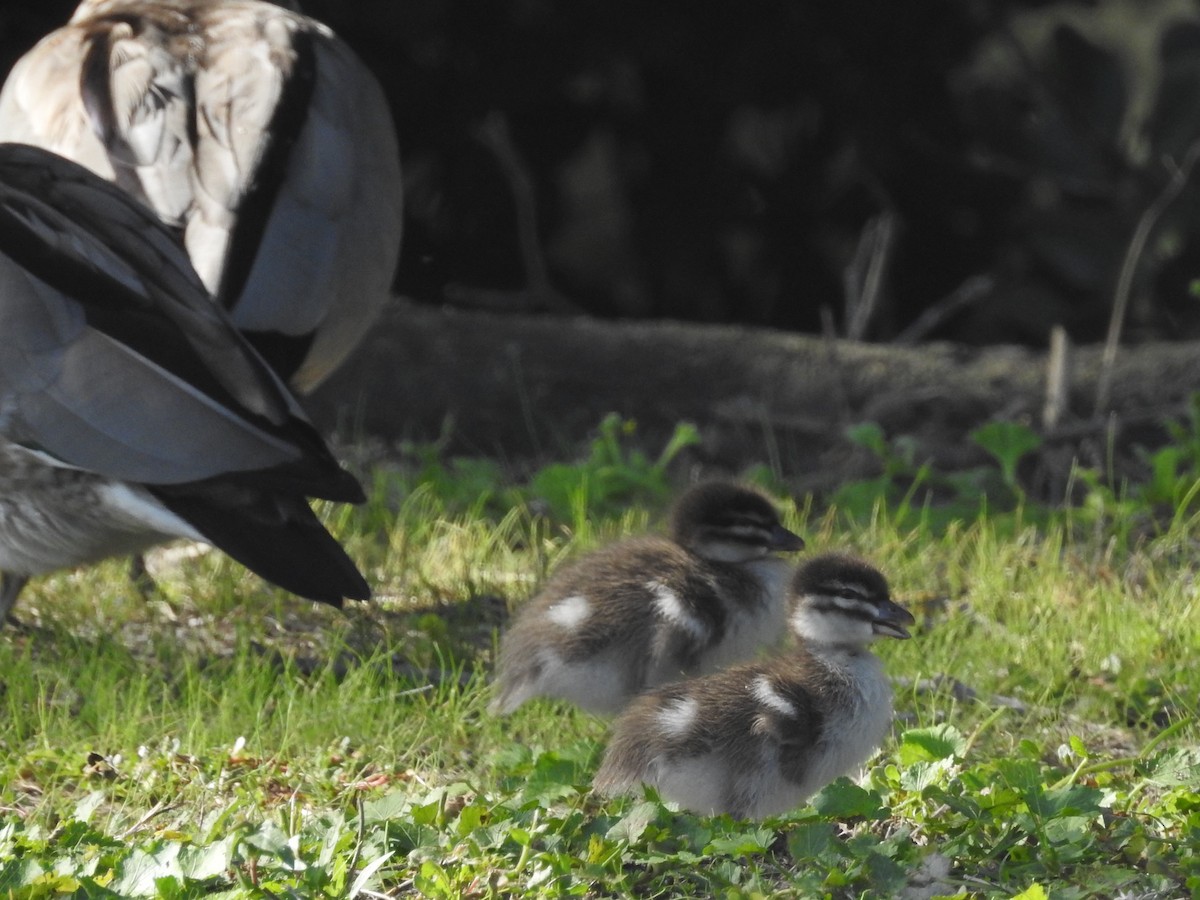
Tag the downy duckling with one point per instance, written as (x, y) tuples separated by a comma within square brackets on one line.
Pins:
[(650, 610), (758, 739)]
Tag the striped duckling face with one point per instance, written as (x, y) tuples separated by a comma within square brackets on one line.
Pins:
[(725, 522), (839, 599)]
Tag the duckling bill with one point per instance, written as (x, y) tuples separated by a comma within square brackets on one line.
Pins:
[(650, 610)]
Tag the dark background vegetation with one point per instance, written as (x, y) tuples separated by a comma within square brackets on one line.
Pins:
[(731, 161)]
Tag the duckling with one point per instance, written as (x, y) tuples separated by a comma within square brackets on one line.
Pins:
[(758, 739), (131, 410), (252, 130), (649, 610)]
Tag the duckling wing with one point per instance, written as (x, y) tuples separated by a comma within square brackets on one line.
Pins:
[(790, 722), (690, 619)]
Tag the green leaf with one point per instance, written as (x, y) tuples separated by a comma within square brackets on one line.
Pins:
[(631, 827), (209, 861), (843, 799), (859, 499), (433, 881), (88, 805), (870, 436), (931, 744), (1033, 892), (139, 872), (1024, 775), (887, 876), (368, 872), (1007, 442), (19, 873), (470, 817), (270, 838), (1075, 799), (809, 840), (917, 776), (558, 774), (53, 884), (389, 806), (1071, 831), (743, 843), (1177, 767), (686, 435)]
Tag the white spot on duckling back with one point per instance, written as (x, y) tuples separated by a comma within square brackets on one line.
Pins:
[(765, 693), (677, 716), (569, 612), (668, 605)]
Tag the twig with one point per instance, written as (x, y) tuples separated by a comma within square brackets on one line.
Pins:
[(829, 329), (493, 132), (156, 810), (964, 295), (411, 692), (362, 831), (1137, 246), (863, 278), (1057, 378)]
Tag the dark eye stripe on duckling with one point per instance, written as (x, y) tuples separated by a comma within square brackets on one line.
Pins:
[(850, 590), (742, 532), (760, 515), (850, 603)]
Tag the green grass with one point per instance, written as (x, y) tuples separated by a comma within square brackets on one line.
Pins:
[(228, 740)]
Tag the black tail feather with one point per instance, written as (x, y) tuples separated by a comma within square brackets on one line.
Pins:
[(277, 537)]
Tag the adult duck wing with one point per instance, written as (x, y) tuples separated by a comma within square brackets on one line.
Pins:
[(113, 361)]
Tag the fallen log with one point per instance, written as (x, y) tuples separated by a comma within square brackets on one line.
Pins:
[(517, 386)]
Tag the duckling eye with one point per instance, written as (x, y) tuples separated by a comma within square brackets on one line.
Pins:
[(740, 529), (739, 521), (850, 600), (852, 592), (747, 527)]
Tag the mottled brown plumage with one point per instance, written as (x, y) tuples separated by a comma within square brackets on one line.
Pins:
[(757, 739), (650, 610)]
